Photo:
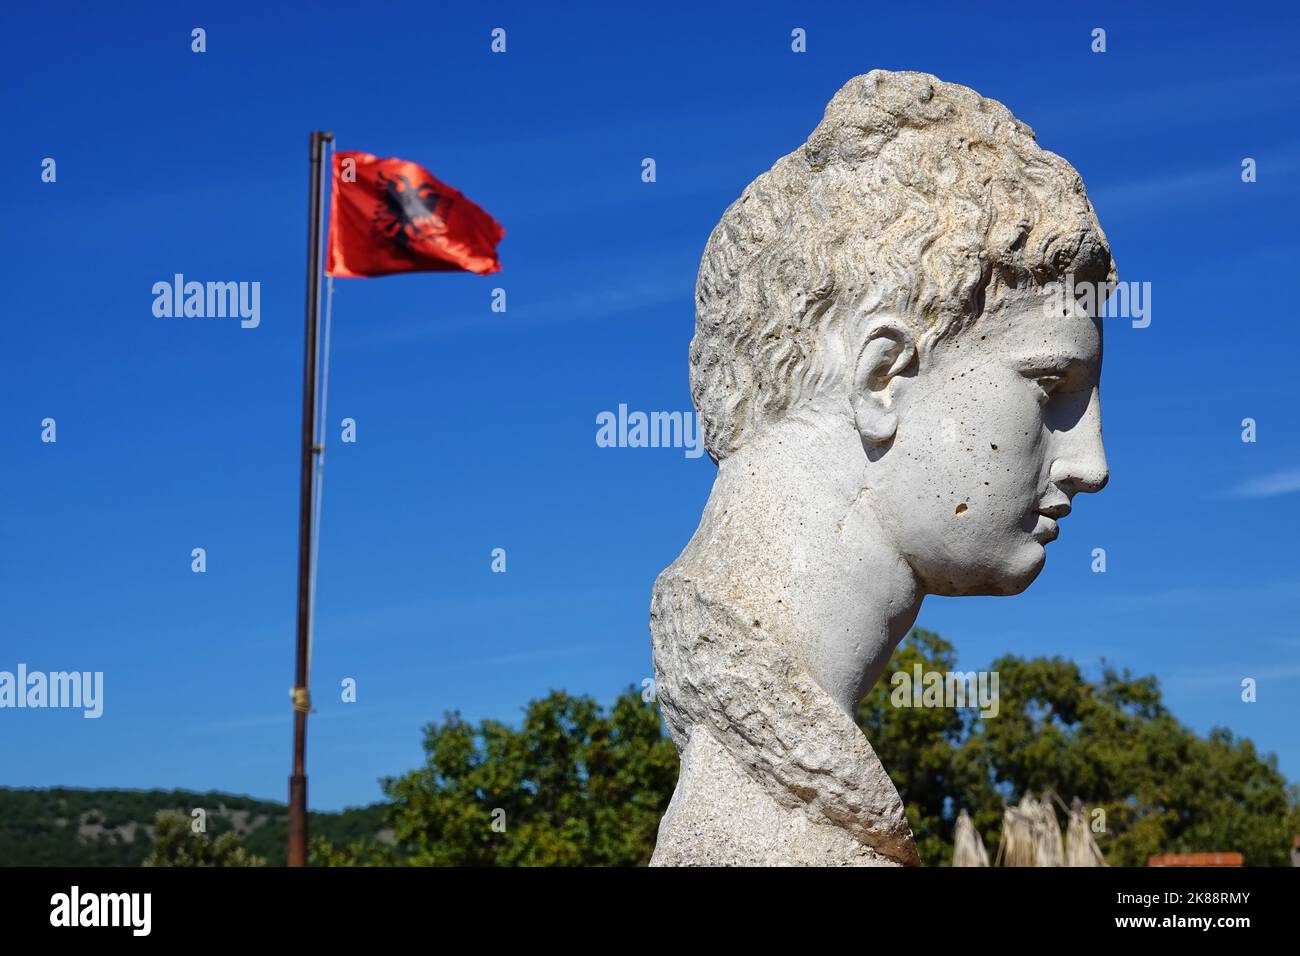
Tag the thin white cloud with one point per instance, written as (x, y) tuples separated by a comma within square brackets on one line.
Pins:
[(1188, 187), (525, 657), (1228, 677), (1186, 598), (607, 303), (1270, 486)]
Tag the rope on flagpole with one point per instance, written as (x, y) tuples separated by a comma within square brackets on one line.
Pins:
[(321, 426)]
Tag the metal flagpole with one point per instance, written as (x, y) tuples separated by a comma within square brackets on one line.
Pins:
[(300, 694)]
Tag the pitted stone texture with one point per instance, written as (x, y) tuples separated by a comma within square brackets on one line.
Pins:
[(748, 827), (900, 404)]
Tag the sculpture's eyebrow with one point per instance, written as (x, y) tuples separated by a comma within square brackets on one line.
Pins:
[(1053, 362)]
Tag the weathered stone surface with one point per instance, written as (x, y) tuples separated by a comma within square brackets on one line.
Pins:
[(900, 402)]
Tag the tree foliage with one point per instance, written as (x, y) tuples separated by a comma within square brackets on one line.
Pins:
[(578, 786), (176, 844), (1111, 742), (573, 786), (72, 826)]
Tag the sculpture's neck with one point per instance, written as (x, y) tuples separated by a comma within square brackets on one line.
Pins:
[(805, 551)]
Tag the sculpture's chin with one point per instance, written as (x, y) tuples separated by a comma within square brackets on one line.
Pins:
[(1018, 576), (1011, 575)]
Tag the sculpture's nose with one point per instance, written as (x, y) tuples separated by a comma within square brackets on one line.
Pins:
[(1090, 477), (1081, 462)]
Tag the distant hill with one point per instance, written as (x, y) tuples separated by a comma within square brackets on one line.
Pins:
[(64, 826)]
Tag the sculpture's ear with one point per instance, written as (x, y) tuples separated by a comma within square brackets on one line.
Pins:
[(888, 351)]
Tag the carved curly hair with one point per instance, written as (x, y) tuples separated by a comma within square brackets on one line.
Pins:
[(912, 196)]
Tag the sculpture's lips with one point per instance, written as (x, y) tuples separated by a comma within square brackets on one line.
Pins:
[(1054, 506), (1048, 515), (1047, 529)]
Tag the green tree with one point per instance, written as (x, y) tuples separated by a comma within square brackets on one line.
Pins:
[(321, 852), (1110, 742), (918, 746), (573, 786), (578, 786), (176, 844)]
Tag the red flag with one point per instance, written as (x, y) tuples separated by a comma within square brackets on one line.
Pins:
[(395, 216)]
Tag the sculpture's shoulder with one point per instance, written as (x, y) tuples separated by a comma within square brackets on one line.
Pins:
[(720, 816), (773, 772)]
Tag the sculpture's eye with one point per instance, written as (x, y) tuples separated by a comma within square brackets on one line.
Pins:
[(1048, 384)]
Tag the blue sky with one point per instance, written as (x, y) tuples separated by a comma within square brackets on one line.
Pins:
[(476, 429)]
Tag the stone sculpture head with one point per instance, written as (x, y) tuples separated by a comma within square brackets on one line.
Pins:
[(900, 402)]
